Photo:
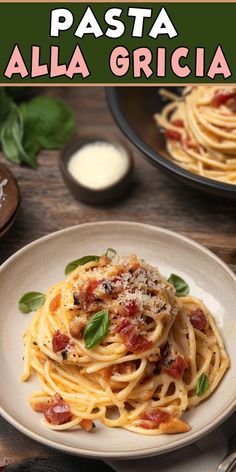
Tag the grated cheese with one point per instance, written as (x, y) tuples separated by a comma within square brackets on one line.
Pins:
[(144, 286), (99, 164)]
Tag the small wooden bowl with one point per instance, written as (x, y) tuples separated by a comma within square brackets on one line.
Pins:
[(10, 204), (97, 197)]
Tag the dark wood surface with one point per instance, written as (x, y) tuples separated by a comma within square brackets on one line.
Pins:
[(47, 206)]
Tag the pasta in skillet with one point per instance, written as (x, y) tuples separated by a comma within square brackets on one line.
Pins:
[(200, 130)]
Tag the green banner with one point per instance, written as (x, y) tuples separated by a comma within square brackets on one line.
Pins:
[(148, 43)]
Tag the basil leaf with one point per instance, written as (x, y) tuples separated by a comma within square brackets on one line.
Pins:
[(31, 301), (110, 249), (202, 385), (181, 287), (79, 262), (96, 329), (48, 122), (11, 138)]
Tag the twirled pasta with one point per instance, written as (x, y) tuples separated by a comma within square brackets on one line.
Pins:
[(200, 129), (144, 373)]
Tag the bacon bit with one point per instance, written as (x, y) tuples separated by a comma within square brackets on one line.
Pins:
[(145, 424), (221, 98), (57, 411), (198, 319), (55, 303), (77, 328), (137, 343), (131, 308), (92, 285), (133, 340), (124, 327), (153, 418), (178, 122), (107, 372), (87, 425), (172, 135), (59, 341), (176, 367)]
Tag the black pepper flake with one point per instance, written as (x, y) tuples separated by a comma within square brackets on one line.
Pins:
[(64, 355), (107, 286), (76, 298), (35, 344)]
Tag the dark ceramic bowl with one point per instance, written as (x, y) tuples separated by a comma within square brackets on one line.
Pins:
[(97, 197), (133, 109)]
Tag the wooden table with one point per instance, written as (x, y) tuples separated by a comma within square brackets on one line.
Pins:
[(47, 206)]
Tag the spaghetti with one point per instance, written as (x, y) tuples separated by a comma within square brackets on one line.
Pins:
[(114, 343), (200, 130)]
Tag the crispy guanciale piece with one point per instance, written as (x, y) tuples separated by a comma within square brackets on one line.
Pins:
[(55, 303), (176, 367), (198, 319), (178, 122), (172, 135), (221, 98), (130, 308), (173, 426), (57, 411), (133, 340), (87, 425), (153, 418), (77, 328), (59, 341)]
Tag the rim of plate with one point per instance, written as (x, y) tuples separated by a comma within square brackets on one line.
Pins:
[(133, 453)]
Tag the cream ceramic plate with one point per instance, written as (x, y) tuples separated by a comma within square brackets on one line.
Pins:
[(42, 263)]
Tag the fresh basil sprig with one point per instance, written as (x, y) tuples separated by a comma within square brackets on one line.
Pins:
[(31, 301), (110, 250), (40, 123), (202, 385), (96, 329), (181, 287), (79, 262)]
